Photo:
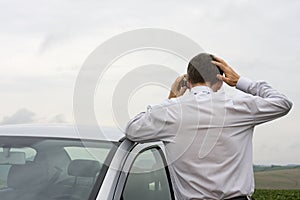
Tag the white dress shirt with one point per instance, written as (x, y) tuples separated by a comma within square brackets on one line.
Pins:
[(208, 137)]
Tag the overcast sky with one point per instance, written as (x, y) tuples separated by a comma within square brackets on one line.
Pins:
[(44, 44)]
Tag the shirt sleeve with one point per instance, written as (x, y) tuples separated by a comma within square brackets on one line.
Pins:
[(264, 102), (156, 124)]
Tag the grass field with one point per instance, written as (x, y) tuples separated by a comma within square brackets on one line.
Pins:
[(277, 184), (261, 194), (287, 179)]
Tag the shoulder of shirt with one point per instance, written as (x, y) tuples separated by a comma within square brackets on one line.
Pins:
[(168, 103)]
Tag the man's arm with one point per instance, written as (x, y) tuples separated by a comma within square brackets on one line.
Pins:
[(264, 105), (156, 124), (267, 103), (174, 92)]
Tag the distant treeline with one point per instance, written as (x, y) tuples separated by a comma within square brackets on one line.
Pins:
[(259, 168)]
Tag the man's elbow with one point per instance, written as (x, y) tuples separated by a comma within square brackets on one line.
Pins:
[(287, 106), (290, 105), (130, 133), (130, 137)]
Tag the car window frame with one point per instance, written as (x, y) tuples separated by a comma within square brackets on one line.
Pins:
[(99, 181), (134, 153)]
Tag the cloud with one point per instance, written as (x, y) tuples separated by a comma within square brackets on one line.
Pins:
[(50, 41), (25, 116), (22, 116), (60, 118)]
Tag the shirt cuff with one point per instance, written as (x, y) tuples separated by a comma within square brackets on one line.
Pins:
[(243, 84)]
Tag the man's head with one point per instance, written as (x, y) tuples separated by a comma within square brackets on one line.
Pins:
[(201, 71)]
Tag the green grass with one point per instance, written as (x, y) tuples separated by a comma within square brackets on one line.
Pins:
[(287, 179), (262, 194), (277, 184)]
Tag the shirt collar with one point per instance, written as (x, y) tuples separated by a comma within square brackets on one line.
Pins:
[(201, 89)]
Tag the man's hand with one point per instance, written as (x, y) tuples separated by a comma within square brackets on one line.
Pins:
[(231, 77), (174, 89)]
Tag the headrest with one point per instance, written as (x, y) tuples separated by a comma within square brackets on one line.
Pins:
[(27, 175), (84, 168)]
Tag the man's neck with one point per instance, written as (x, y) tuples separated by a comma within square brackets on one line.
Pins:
[(214, 87), (199, 84)]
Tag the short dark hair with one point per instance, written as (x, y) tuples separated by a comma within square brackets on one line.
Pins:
[(201, 70)]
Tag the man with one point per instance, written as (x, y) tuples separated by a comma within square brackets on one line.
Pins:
[(207, 135)]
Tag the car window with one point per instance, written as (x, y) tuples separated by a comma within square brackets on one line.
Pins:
[(3, 175), (45, 168), (90, 153), (29, 153), (147, 178)]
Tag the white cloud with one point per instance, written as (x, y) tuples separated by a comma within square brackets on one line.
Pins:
[(60, 118), (25, 116), (22, 116)]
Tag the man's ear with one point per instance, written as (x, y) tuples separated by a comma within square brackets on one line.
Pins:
[(188, 85), (188, 82)]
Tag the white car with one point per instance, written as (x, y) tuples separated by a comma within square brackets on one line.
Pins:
[(64, 162)]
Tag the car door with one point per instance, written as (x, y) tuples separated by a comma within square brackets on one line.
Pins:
[(145, 175)]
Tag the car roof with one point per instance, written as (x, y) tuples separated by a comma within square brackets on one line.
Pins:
[(63, 131)]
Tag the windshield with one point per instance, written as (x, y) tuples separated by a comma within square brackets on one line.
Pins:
[(45, 168)]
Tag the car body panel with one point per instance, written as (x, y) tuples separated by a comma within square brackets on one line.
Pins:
[(115, 176), (63, 131), (110, 181)]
